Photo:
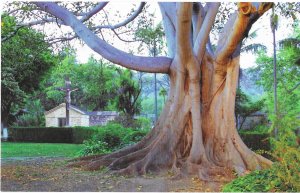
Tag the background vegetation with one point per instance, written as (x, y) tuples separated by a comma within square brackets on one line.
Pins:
[(284, 175)]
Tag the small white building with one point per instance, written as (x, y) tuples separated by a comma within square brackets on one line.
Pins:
[(56, 117)]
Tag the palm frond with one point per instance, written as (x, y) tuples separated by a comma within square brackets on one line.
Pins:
[(253, 34), (289, 42), (253, 48)]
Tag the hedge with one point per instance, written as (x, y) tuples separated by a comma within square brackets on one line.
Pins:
[(50, 134), (79, 134), (256, 141)]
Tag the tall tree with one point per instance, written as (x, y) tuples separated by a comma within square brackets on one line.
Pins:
[(25, 58), (196, 132), (153, 38), (274, 25), (288, 79), (95, 80)]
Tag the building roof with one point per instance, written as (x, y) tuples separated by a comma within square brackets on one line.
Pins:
[(105, 113), (79, 110), (64, 105)]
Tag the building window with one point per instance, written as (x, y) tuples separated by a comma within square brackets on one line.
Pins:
[(62, 122)]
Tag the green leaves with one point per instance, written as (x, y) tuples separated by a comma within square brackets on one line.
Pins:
[(245, 107), (110, 138), (152, 38), (25, 57), (288, 76), (128, 99)]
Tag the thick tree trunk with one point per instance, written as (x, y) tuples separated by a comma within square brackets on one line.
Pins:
[(194, 135), (196, 131)]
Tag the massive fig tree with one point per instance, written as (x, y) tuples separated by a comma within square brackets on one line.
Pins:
[(196, 131)]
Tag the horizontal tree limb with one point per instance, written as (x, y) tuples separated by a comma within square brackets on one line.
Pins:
[(139, 63)]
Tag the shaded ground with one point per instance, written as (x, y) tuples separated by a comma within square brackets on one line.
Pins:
[(51, 174)]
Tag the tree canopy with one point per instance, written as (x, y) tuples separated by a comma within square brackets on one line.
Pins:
[(288, 76), (25, 58)]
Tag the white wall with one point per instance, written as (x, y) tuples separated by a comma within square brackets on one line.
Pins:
[(76, 118)]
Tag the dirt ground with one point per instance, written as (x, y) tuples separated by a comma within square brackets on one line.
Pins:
[(51, 174)]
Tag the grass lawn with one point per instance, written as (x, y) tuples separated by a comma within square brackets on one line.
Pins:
[(9, 149)]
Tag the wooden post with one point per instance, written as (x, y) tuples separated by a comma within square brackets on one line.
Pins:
[(68, 91), (68, 100)]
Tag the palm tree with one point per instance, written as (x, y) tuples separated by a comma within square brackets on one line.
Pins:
[(274, 25)]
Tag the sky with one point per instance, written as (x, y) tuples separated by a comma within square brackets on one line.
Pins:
[(264, 36)]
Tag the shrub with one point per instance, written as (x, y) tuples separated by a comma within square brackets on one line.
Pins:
[(287, 167), (110, 138), (94, 146), (28, 120), (256, 141), (34, 116), (79, 134), (259, 129), (284, 174), (134, 136), (127, 121), (143, 123)]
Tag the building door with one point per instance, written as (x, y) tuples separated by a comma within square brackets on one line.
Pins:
[(62, 122)]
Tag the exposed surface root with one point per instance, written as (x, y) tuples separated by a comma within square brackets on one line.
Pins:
[(86, 158)]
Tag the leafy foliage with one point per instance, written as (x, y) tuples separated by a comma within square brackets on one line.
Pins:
[(283, 176), (259, 129), (94, 80), (25, 57), (101, 86), (128, 100), (34, 115), (111, 137), (127, 121), (151, 38), (288, 79), (244, 107)]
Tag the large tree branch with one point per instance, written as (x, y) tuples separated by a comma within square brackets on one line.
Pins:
[(85, 16), (197, 18), (61, 39), (203, 35), (170, 30), (40, 22), (125, 22), (93, 11), (238, 27), (183, 33), (170, 10), (209, 48), (139, 63)]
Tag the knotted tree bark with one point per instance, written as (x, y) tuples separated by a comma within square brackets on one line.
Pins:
[(196, 132)]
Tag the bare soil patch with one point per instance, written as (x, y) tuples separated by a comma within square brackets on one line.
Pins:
[(52, 174)]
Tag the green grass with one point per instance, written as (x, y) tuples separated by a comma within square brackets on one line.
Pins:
[(9, 149)]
